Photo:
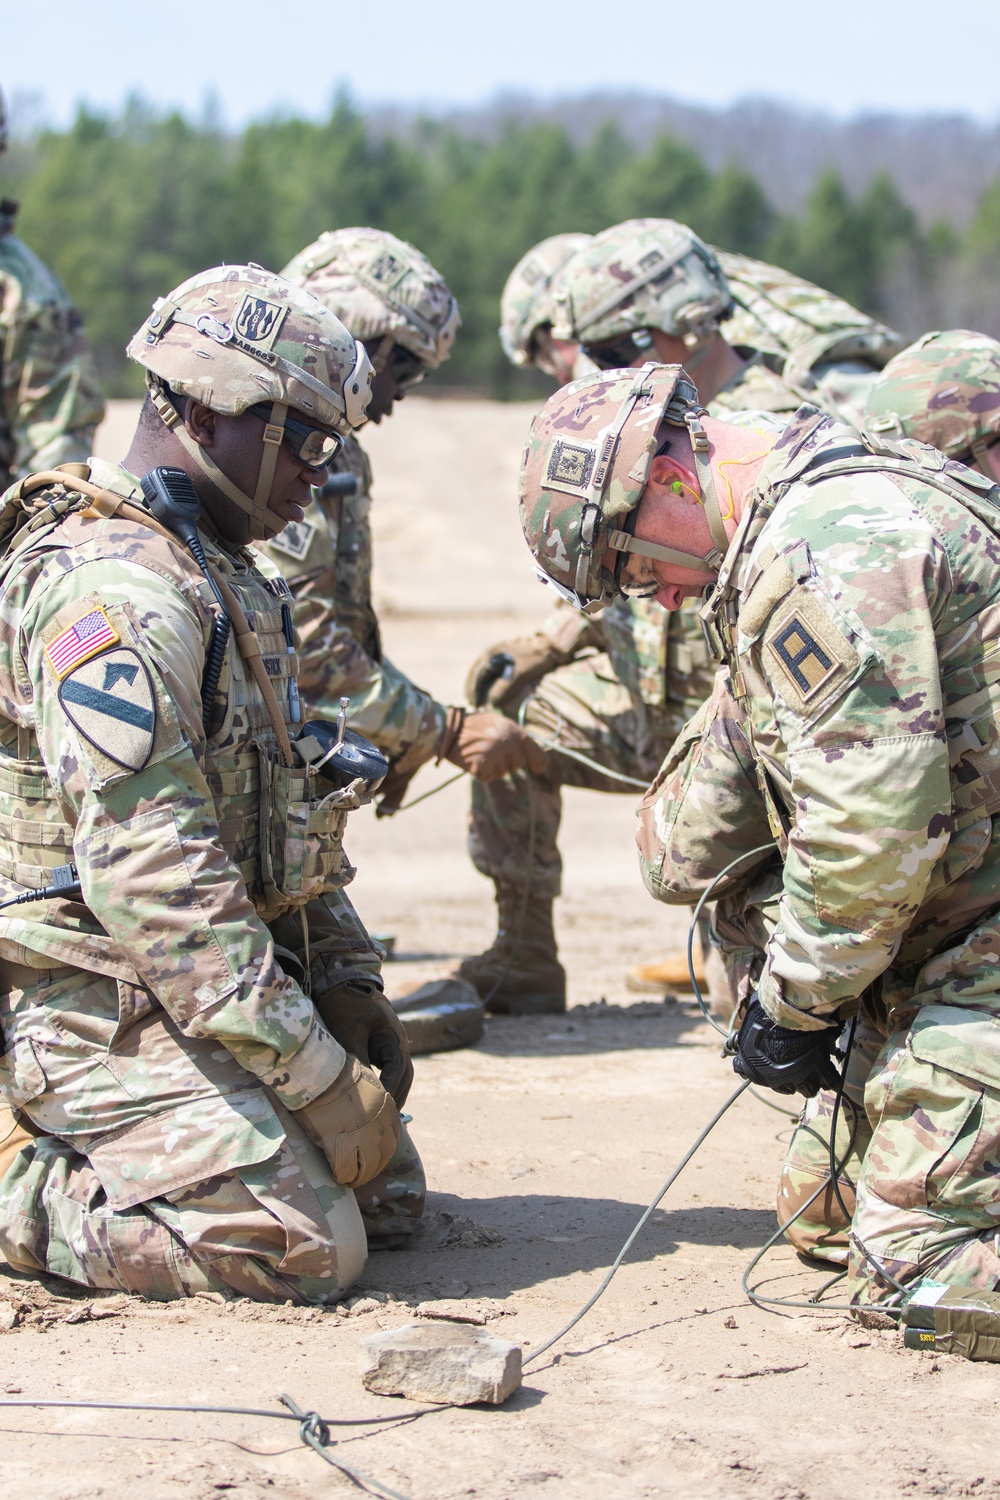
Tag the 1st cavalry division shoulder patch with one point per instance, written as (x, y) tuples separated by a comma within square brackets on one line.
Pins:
[(111, 701), (805, 653)]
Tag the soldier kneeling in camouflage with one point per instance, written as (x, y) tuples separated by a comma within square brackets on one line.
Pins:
[(192, 1014), (617, 690), (855, 608)]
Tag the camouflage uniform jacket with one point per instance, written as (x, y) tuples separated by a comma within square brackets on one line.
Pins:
[(187, 846), (50, 396), (858, 613), (327, 561)]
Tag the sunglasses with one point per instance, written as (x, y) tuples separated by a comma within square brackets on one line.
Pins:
[(618, 354), (315, 446)]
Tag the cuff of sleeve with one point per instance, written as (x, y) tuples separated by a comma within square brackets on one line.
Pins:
[(771, 996), (424, 747), (306, 1075)]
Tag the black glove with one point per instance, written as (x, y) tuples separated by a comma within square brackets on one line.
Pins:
[(366, 1026), (789, 1062)]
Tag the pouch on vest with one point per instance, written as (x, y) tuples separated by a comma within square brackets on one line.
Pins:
[(301, 832)]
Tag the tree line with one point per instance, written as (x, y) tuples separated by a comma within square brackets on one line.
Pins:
[(124, 206)]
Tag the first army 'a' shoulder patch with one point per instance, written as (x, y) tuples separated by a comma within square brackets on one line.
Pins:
[(805, 653)]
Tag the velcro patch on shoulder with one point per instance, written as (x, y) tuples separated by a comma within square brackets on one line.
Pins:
[(806, 654), (111, 701), (76, 634), (295, 540), (774, 584)]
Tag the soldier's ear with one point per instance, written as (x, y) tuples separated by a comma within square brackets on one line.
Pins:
[(673, 480), (201, 423)]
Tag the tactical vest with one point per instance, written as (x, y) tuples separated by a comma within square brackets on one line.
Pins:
[(971, 696), (280, 825), (795, 325)]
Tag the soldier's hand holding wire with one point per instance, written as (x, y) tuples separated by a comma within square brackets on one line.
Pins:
[(488, 746), (778, 1058)]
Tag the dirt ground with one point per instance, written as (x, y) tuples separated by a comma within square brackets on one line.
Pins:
[(541, 1145)]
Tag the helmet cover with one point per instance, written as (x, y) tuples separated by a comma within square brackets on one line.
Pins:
[(642, 274), (943, 390), (235, 336), (585, 467), (379, 285), (526, 303)]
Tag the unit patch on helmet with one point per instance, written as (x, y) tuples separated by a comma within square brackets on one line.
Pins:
[(111, 701), (571, 464), (258, 321), (386, 268)]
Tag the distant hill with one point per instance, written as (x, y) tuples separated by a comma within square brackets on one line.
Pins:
[(940, 164)]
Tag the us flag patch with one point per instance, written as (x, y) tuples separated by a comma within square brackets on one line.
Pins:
[(80, 641)]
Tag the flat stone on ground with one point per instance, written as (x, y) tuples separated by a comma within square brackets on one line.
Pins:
[(452, 1363)]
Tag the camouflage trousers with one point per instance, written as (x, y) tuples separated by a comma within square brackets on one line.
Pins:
[(514, 822), (161, 1167), (929, 1191)]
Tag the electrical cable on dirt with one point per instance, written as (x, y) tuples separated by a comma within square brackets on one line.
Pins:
[(647, 1212), (314, 1430)]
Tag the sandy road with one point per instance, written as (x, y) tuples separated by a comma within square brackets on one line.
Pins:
[(541, 1146)]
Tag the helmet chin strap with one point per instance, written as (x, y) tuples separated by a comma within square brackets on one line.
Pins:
[(264, 524), (623, 541)]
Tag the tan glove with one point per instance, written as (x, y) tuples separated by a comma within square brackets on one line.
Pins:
[(504, 673), (488, 745), (355, 1124)]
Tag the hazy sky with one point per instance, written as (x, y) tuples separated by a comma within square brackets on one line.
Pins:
[(900, 55)]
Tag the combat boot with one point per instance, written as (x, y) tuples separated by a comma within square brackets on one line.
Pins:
[(520, 974)]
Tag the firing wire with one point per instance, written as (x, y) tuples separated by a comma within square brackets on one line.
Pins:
[(314, 1430), (450, 781), (693, 927), (585, 760), (647, 1212)]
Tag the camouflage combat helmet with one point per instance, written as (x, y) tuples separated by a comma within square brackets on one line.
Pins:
[(943, 390), (584, 470), (238, 336), (384, 290), (637, 276), (526, 303)]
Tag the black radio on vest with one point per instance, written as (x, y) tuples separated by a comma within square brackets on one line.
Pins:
[(173, 501)]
